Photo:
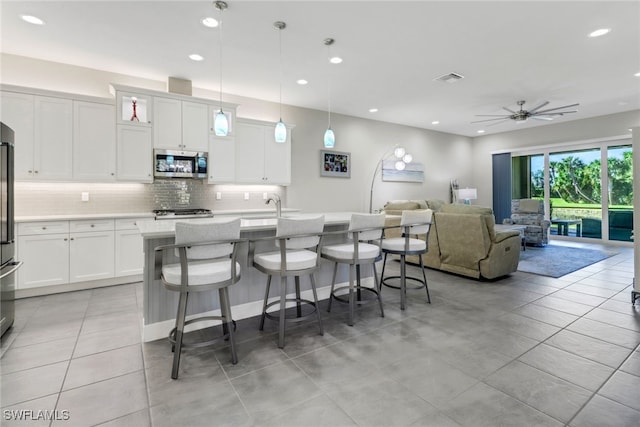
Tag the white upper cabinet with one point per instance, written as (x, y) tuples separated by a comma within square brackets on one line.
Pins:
[(167, 123), (53, 138), (222, 163), (180, 125), (135, 154), (18, 114), (94, 141), (195, 126), (258, 158)]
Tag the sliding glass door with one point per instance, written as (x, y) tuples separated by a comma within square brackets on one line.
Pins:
[(589, 190)]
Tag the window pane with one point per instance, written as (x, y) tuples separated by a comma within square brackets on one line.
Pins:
[(620, 192), (575, 193)]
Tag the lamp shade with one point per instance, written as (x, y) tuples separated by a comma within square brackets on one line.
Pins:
[(280, 132), (329, 138), (221, 124), (467, 194)]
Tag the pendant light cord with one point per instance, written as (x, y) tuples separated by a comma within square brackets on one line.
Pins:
[(329, 82), (220, 39), (281, 74)]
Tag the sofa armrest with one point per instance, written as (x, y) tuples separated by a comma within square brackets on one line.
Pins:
[(503, 235)]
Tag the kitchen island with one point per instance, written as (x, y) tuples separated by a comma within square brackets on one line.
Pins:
[(159, 306)]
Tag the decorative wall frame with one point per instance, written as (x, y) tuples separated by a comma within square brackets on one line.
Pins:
[(336, 164), (413, 172)]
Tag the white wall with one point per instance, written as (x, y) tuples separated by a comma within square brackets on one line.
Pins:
[(558, 134), (444, 156)]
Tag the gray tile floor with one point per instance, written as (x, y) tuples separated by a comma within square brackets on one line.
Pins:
[(523, 351)]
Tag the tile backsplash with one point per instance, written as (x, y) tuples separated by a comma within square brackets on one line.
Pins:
[(63, 198)]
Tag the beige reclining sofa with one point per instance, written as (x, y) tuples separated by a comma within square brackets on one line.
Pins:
[(462, 239)]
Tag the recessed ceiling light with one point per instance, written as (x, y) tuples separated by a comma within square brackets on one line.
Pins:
[(637, 74), (335, 60), (210, 22), (195, 57), (599, 32), (373, 110), (435, 122), (302, 82), (32, 19), (481, 131)]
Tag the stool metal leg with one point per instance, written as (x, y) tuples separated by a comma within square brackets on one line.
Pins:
[(182, 313), (384, 264), (283, 306), (424, 276), (315, 300), (298, 303), (225, 308), (403, 282), (333, 284), (378, 286), (351, 294), (264, 305)]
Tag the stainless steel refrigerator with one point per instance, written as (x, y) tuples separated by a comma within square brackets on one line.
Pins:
[(9, 265)]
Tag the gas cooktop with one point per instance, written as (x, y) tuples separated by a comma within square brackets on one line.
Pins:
[(182, 213)]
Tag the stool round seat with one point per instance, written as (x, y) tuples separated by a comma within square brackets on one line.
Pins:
[(397, 245), (201, 274)]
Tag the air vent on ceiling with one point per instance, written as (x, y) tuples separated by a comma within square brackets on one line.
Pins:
[(450, 78)]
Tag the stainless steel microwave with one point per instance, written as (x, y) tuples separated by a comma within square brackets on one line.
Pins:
[(179, 164)]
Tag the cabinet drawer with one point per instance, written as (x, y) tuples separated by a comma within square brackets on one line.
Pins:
[(91, 225), (42, 227), (129, 223)]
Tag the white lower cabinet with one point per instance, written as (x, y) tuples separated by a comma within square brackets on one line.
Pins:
[(129, 252), (63, 252), (45, 258), (91, 256)]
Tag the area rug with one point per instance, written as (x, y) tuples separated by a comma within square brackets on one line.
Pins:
[(556, 261)]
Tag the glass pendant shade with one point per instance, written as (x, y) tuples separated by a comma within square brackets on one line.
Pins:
[(281, 132), (399, 152), (407, 158), (329, 138), (221, 124), (400, 165)]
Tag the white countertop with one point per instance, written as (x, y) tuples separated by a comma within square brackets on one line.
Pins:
[(72, 217), (267, 212), (166, 228)]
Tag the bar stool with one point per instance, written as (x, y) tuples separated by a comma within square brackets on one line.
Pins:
[(207, 262), (364, 248), (416, 223), (298, 240)]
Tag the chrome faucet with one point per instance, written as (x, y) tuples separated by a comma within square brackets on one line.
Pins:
[(276, 199)]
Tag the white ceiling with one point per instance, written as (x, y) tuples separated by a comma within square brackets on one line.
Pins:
[(392, 50)]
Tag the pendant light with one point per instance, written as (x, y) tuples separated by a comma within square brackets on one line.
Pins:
[(220, 123), (281, 130), (329, 136)]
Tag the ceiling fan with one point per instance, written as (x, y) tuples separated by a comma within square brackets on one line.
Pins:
[(523, 115)]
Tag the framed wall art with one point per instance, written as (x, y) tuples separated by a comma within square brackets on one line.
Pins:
[(335, 164)]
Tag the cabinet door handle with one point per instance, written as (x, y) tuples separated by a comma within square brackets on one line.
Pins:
[(36, 171), (65, 239), (92, 225), (72, 238), (44, 228)]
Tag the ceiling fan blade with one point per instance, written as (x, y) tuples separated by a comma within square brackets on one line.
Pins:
[(491, 115), (509, 110), (533, 110), (497, 123), (491, 120), (557, 108), (557, 113), (541, 118)]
